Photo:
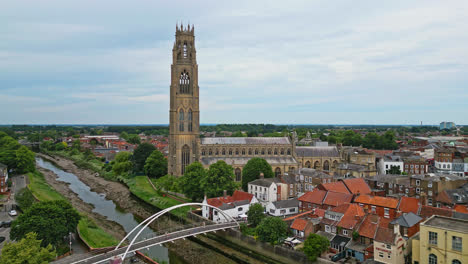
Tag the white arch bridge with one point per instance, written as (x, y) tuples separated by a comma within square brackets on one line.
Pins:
[(121, 252)]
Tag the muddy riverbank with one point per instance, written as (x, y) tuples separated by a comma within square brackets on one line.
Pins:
[(191, 252)]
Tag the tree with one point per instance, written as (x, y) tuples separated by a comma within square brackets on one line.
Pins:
[(394, 170), (88, 154), (272, 230), (219, 177), (76, 144), (27, 250), (122, 163), (252, 171), (24, 198), (25, 161), (124, 135), (156, 165), (255, 214), (190, 182), (315, 245), (133, 139), (8, 147), (51, 221), (141, 153)]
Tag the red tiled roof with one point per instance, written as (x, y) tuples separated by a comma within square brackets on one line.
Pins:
[(461, 208), (352, 216), (428, 211), (444, 197), (320, 212), (299, 224), (369, 226), (337, 198), (298, 215), (237, 196), (377, 201), (334, 186), (316, 196), (357, 186), (385, 235), (409, 204)]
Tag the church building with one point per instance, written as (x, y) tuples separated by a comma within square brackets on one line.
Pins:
[(185, 144)]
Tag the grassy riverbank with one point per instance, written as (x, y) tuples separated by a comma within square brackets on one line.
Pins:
[(89, 231), (140, 187)]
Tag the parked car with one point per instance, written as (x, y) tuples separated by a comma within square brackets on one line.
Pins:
[(5, 224), (2, 239), (13, 213)]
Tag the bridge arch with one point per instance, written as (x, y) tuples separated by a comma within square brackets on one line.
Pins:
[(155, 216)]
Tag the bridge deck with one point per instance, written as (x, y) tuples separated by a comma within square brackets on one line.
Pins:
[(88, 258)]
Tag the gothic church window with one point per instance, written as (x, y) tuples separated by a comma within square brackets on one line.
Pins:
[(181, 120), (237, 151), (250, 152), (185, 50), (224, 152), (269, 151), (289, 151), (237, 172), (185, 157), (243, 151), (230, 151), (184, 82), (189, 117), (282, 151)]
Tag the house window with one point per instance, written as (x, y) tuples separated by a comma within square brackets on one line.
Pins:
[(334, 229), (432, 259), (386, 212), (418, 182), (345, 232), (292, 210), (388, 246), (389, 256), (373, 208), (456, 243), (327, 228), (240, 209), (418, 190), (381, 254), (429, 184), (432, 238)]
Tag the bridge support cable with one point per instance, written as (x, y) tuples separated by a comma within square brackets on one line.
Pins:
[(152, 218)]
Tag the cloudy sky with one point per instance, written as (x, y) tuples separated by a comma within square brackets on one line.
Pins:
[(295, 62)]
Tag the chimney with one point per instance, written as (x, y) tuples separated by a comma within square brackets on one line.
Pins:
[(422, 198), (262, 176), (224, 193)]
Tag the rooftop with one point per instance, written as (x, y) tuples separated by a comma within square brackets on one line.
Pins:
[(245, 141), (447, 223), (316, 151), (243, 160)]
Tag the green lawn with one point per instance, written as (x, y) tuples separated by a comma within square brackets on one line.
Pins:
[(93, 235), (90, 232), (40, 189), (140, 187)]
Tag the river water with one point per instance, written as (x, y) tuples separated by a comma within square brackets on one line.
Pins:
[(105, 207)]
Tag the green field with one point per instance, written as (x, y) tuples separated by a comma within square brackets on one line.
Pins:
[(40, 189), (93, 235), (140, 187), (89, 231)]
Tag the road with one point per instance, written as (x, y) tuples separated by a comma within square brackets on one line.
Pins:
[(18, 182)]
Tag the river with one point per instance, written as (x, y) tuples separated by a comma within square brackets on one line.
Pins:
[(106, 208)]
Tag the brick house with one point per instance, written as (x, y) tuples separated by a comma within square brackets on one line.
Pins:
[(382, 206)]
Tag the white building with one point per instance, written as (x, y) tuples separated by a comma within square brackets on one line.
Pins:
[(389, 161), (235, 206), (267, 190), (283, 207)]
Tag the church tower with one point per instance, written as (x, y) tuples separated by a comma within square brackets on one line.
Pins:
[(184, 113)]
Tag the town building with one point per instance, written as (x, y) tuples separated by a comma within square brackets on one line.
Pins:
[(268, 190), (415, 165), (441, 240), (233, 206), (446, 125), (389, 164), (283, 207), (389, 245), (431, 184), (382, 206)]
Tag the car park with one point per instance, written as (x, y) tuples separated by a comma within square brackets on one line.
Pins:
[(5, 224)]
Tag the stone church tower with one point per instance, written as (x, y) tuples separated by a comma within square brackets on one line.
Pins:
[(184, 113)]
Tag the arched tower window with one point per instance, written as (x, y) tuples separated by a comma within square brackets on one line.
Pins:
[(456, 261), (237, 172), (432, 259), (185, 157), (277, 172), (185, 50), (189, 117), (307, 164), (181, 120), (184, 82), (317, 165), (326, 165)]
